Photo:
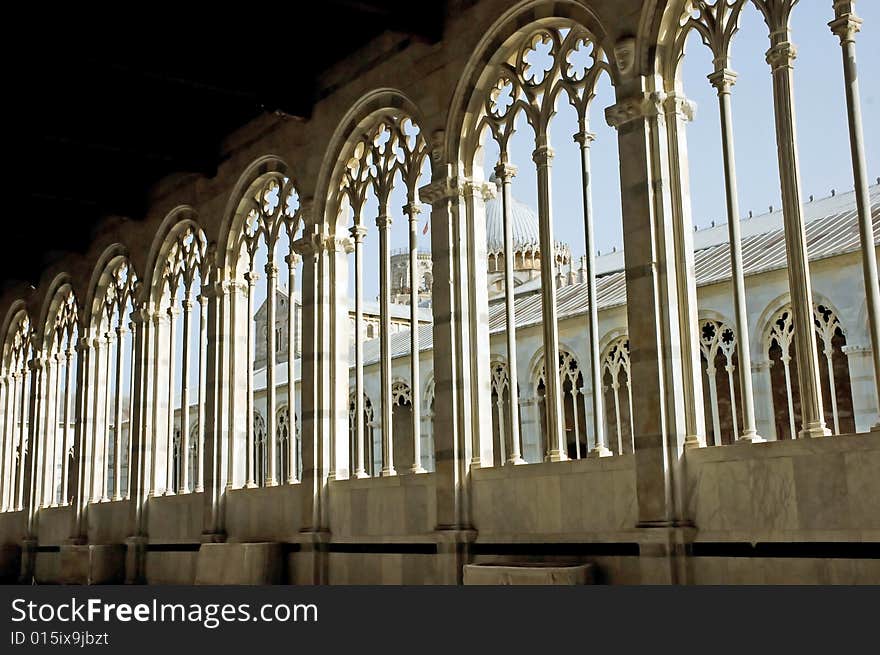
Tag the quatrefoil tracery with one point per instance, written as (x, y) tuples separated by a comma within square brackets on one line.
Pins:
[(547, 62)]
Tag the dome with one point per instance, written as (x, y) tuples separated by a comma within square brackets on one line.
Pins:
[(523, 221)]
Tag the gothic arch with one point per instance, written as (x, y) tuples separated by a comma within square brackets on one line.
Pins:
[(175, 223), (99, 282), (363, 116), (478, 75), (266, 167)]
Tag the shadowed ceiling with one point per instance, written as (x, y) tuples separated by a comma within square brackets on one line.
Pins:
[(104, 110)]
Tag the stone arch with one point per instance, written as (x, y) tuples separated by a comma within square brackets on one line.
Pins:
[(477, 78), (265, 167), (362, 115), (17, 311), (175, 223), (100, 281)]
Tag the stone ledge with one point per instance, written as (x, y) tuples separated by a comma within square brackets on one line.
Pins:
[(493, 574), (239, 564), (92, 564)]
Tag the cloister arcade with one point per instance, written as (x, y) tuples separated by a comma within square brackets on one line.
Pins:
[(129, 387)]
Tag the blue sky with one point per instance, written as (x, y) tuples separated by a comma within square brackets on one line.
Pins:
[(821, 127)]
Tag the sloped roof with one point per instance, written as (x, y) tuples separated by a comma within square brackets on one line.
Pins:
[(832, 229)]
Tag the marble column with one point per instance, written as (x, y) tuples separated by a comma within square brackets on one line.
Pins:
[(358, 232), (271, 432), (81, 434), (505, 173), (654, 297), (31, 474), (412, 210), (139, 449), (543, 157), (219, 348), (117, 412), (846, 25), (781, 57), (203, 389), (183, 481), (293, 261), (677, 112), (584, 138), (453, 404), (250, 453), (723, 79), (7, 390), (472, 301), (172, 360), (383, 222)]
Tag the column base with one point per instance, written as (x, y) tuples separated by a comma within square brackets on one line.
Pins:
[(814, 432), (599, 451), (360, 475), (250, 485), (751, 438), (693, 441), (387, 473), (557, 456), (417, 469), (515, 461)]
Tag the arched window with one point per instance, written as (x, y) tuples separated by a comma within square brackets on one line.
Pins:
[(718, 346), (266, 266), (618, 395), (17, 355), (60, 413), (535, 95), (261, 450), (185, 312), (110, 367), (372, 452), (574, 417), (833, 372), (500, 401), (383, 170)]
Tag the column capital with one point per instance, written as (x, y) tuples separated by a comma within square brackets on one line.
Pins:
[(680, 105), (781, 55), (643, 105), (173, 311), (292, 259), (36, 364), (383, 221), (485, 190), (358, 232), (722, 79), (584, 137), (309, 245), (439, 190), (412, 209), (846, 24), (505, 171), (333, 244), (271, 269), (251, 277), (543, 155)]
